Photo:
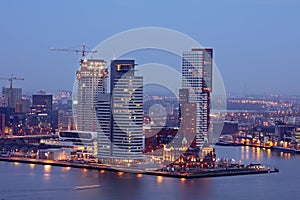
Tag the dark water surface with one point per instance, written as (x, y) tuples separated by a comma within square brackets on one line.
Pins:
[(29, 181)]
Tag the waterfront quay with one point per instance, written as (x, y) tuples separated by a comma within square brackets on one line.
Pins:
[(272, 148), (204, 173)]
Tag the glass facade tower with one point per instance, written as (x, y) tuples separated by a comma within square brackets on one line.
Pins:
[(197, 79), (120, 113)]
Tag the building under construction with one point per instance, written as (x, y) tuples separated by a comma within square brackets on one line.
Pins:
[(91, 80)]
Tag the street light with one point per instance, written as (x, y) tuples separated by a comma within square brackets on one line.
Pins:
[(47, 155)]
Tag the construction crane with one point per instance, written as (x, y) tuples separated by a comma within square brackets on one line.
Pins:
[(11, 79), (83, 50)]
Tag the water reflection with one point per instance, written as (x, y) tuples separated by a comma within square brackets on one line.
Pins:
[(242, 152), (84, 170), (253, 153), (285, 155), (258, 153), (48, 181), (159, 179), (247, 153), (47, 170), (182, 180), (67, 168), (139, 175), (269, 153), (247, 149), (120, 173)]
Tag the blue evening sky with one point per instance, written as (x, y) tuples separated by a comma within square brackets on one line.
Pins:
[(256, 42)]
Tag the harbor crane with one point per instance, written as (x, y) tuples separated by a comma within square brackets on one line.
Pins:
[(11, 79)]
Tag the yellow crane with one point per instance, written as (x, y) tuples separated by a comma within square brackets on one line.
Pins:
[(11, 79)]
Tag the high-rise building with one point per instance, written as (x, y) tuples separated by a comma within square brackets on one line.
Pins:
[(105, 136), (197, 78), (42, 119), (188, 118), (11, 96), (92, 80), (7, 120), (120, 114), (42, 101), (23, 106), (65, 121)]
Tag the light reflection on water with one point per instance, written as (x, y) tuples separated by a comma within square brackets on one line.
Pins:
[(120, 173), (66, 168), (46, 182), (159, 179), (253, 154), (47, 170), (269, 153), (139, 175), (84, 170), (256, 154)]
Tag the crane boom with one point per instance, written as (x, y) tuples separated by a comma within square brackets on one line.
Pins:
[(83, 50)]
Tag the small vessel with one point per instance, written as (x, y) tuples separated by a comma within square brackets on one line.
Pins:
[(86, 187)]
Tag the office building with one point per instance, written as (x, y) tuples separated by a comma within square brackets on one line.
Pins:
[(65, 121), (92, 80), (42, 119), (104, 129), (7, 120), (197, 79), (42, 101), (120, 114), (283, 131), (188, 120), (23, 106)]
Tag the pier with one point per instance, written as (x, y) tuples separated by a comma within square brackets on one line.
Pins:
[(219, 172)]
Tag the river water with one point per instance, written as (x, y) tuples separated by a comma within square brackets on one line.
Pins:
[(29, 181)]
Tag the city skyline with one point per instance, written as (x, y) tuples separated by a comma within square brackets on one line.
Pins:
[(250, 38), (149, 99)]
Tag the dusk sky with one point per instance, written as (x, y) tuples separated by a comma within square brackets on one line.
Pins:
[(256, 42)]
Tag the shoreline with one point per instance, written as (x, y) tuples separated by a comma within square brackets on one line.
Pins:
[(185, 175), (272, 148)]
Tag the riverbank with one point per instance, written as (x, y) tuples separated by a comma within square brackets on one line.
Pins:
[(272, 148), (57, 163), (186, 175)]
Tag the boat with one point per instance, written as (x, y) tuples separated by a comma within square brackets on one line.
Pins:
[(86, 187)]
